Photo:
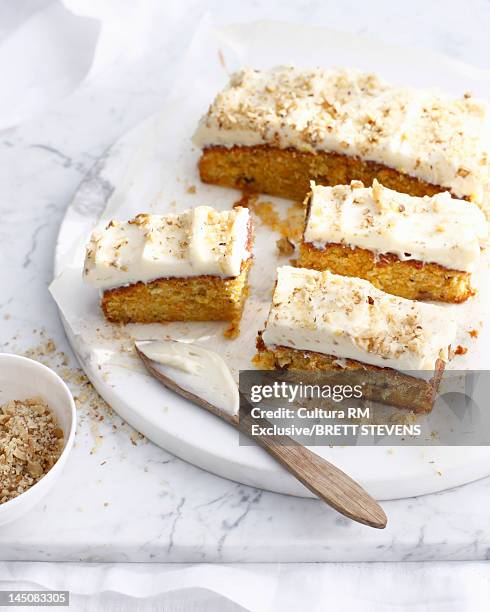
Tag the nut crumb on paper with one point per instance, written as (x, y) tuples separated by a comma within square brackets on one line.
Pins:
[(222, 60), (285, 246), (136, 437), (247, 200), (233, 331), (291, 226), (93, 411)]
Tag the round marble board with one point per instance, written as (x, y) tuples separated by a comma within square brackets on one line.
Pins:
[(143, 173)]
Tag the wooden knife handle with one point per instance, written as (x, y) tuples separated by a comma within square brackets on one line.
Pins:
[(326, 481)]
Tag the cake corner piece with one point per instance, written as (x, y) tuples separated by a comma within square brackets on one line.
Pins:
[(418, 248), (271, 131), (319, 321), (191, 266)]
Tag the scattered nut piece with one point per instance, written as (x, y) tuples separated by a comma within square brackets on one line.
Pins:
[(247, 200), (463, 172), (356, 184), (377, 191), (285, 246)]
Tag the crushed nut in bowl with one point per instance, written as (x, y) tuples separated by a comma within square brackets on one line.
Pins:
[(30, 444), (37, 431)]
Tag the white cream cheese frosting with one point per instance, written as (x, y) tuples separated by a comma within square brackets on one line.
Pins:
[(200, 241), (426, 134), (438, 229), (350, 319), (196, 370)]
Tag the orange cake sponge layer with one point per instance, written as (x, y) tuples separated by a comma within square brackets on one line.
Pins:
[(416, 248), (411, 279), (287, 172), (273, 130), (383, 385), (197, 298)]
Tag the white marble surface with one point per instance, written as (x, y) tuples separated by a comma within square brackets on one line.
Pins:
[(137, 503)]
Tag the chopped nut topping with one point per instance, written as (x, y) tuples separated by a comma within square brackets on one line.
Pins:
[(30, 444), (430, 229), (319, 310), (357, 184), (200, 239), (464, 172), (425, 134), (378, 195)]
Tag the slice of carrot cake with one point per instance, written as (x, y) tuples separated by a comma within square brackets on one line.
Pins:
[(271, 131), (323, 321), (417, 248), (191, 266)]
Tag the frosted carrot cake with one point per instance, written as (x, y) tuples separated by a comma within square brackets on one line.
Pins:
[(417, 248), (191, 266), (272, 131), (323, 321)]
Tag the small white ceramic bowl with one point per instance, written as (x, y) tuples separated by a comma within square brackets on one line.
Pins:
[(21, 378)]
